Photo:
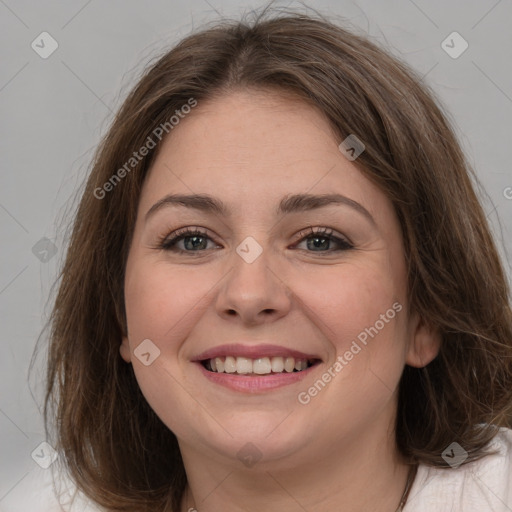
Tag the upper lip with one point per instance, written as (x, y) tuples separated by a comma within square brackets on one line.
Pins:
[(252, 352)]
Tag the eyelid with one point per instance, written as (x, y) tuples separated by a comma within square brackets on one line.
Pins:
[(177, 235), (323, 230), (309, 230), (169, 241)]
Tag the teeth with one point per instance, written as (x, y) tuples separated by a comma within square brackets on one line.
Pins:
[(219, 364), (260, 366), (243, 365), (277, 364), (230, 365), (289, 364)]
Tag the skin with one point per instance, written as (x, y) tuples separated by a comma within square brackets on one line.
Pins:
[(250, 149)]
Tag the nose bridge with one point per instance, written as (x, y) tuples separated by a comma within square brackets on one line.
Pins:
[(253, 286), (252, 266), (250, 250)]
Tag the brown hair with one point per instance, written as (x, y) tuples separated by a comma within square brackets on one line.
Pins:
[(117, 450)]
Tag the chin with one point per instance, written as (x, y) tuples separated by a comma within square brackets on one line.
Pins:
[(258, 437)]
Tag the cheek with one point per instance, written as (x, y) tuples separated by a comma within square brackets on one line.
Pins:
[(161, 303), (362, 317), (354, 299)]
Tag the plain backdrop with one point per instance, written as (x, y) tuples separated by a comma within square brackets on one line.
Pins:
[(54, 111)]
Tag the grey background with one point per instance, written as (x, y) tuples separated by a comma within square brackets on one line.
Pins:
[(55, 110)]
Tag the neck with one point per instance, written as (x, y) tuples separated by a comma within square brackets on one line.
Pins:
[(360, 474)]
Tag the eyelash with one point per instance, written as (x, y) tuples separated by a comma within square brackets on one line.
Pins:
[(167, 244)]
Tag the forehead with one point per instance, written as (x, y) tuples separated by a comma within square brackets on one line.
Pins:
[(253, 148)]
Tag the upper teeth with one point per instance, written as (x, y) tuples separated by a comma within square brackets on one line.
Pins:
[(260, 366)]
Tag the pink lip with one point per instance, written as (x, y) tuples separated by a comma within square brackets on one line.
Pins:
[(252, 352), (252, 384)]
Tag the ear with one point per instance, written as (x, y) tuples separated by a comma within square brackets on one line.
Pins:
[(424, 343), (124, 350)]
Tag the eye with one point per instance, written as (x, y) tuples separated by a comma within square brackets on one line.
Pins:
[(321, 237), (194, 238)]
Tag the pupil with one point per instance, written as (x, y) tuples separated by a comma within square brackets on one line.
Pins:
[(319, 245), (195, 238), (312, 242)]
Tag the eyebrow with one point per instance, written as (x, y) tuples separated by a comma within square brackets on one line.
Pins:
[(289, 204)]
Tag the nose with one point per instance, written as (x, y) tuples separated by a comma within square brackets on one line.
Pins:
[(253, 292)]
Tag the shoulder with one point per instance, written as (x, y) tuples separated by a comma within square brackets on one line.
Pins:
[(485, 484), (46, 490)]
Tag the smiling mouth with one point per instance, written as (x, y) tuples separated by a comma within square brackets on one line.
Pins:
[(257, 367)]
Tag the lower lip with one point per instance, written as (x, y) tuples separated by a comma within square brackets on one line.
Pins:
[(253, 384)]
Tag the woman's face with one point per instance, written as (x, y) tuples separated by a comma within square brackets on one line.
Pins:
[(280, 279)]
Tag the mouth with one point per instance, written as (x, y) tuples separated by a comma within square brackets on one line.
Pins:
[(254, 369), (257, 367)]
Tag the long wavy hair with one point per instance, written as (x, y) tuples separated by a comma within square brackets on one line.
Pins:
[(116, 449)]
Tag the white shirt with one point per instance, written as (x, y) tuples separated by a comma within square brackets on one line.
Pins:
[(481, 486)]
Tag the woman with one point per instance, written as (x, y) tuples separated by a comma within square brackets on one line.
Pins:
[(281, 291)]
